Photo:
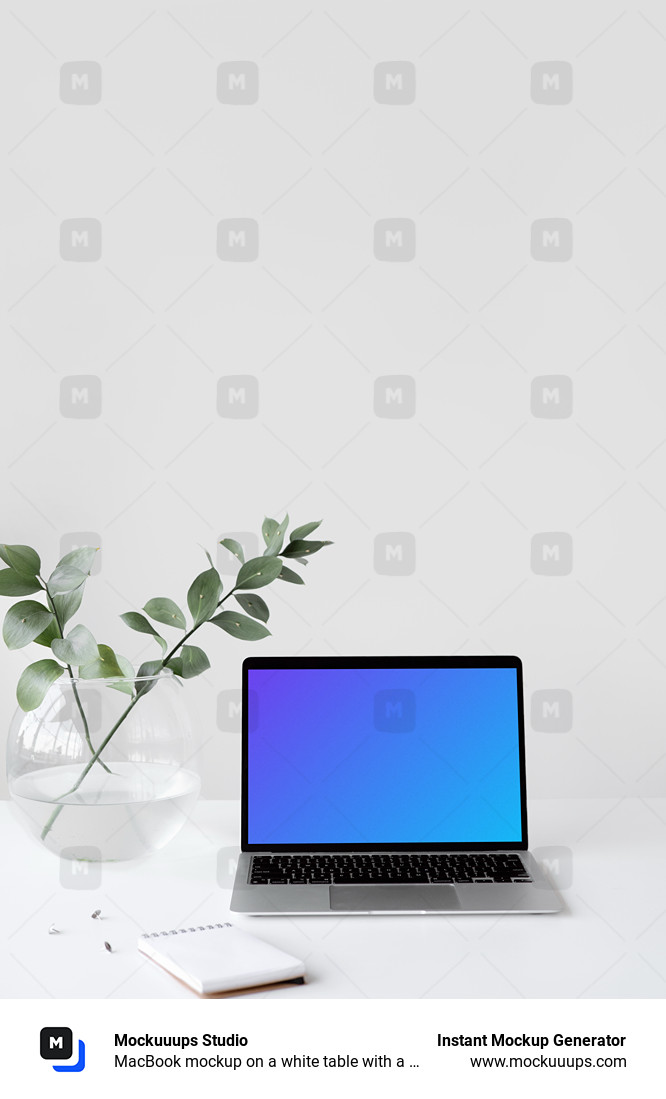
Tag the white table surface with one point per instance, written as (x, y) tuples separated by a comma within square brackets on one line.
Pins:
[(610, 941)]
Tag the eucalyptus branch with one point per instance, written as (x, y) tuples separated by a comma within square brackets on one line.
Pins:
[(174, 650), (96, 754), (29, 621)]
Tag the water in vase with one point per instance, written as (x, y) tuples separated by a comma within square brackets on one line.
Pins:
[(125, 814)]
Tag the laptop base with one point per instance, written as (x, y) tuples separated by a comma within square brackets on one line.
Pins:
[(537, 897)]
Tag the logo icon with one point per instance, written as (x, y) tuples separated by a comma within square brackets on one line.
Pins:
[(81, 83), (395, 553), (81, 240), (227, 862), (552, 711), (557, 862), (552, 397), (552, 553), (80, 867), (238, 397), (395, 83), (56, 1044), (552, 240), (552, 83), (229, 564), (395, 711), (395, 397), (229, 711), (238, 83), (81, 396), (395, 239), (238, 240), (74, 540)]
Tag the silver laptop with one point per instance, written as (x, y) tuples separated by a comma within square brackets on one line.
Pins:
[(385, 785)]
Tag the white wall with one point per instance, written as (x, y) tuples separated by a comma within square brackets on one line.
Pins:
[(473, 322)]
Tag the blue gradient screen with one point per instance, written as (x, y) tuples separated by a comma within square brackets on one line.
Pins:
[(383, 756)]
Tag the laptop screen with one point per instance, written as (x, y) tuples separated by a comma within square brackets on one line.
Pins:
[(367, 756)]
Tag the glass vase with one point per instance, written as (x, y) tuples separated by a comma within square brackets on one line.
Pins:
[(101, 770)]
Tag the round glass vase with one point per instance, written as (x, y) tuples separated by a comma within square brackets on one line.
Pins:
[(100, 770)]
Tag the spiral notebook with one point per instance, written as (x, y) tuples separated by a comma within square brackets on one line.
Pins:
[(219, 957)]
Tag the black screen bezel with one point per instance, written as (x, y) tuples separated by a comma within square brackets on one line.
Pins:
[(319, 662)]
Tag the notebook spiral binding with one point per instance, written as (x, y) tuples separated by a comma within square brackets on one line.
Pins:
[(184, 930)]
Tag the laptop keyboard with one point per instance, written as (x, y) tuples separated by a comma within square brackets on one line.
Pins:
[(427, 868)]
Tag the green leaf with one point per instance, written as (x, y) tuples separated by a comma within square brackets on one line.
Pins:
[(290, 576), (234, 547), (128, 672), (302, 532), (254, 605), (49, 634), (194, 661), (12, 583), (149, 667), (22, 559), (79, 647), (126, 665), (104, 666), (140, 623), (81, 558), (35, 681), (204, 595), (258, 572), (67, 604), (274, 545), (300, 548), (176, 665), (268, 529), (24, 622), (65, 578), (239, 625), (165, 610)]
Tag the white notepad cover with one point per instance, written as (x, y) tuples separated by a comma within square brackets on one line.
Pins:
[(219, 958)]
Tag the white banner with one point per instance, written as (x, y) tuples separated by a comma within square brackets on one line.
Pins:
[(239, 1046)]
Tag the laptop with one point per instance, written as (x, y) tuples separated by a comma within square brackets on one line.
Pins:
[(385, 785)]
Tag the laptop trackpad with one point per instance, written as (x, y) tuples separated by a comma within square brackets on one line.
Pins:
[(393, 898)]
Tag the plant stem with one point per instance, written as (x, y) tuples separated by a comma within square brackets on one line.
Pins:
[(96, 754), (86, 730), (56, 812), (189, 633), (181, 642)]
